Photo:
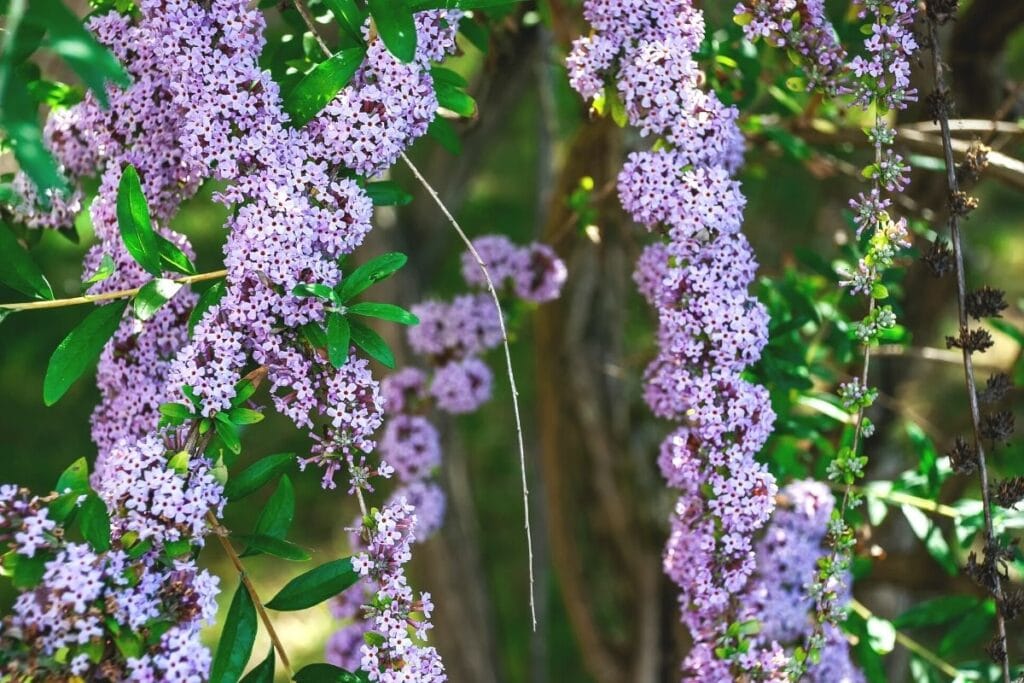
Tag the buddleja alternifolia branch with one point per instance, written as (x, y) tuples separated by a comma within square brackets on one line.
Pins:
[(308, 20), (879, 80), (990, 572)]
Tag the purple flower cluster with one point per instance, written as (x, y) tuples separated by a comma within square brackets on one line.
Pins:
[(452, 336), (710, 328), (133, 595), (395, 615), (802, 27), (882, 75), (787, 562)]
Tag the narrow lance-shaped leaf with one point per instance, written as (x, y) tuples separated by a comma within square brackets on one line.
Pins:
[(207, 300), (349, 17), (134, 223), (103, 271), (80, 349), (262, 672), (387, 193), (372, 271), (397, 28), (277, 547), (389, 312), (372, 343), (276, 517), (74, 478), (236, 640), (95, 522), (173, 257), (326, 673), (257, 474), (18, 270), (423, 5), (315, 586), (153, 295), (320, 85), (339, 336), (93, 63)]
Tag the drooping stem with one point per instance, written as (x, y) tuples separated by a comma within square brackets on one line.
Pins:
[(501, 320), (508, 366), (106, 296), (942, 94), (222, 535)]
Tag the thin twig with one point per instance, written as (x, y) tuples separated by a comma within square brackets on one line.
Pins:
[(508, 362), (969, 381), (222, 535), (901, 498), (107, 296)]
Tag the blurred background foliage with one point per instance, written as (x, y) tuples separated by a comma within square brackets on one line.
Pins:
[(535, 165)]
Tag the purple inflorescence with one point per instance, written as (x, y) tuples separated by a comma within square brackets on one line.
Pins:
[(802, 27), (452, 336), (711, 330)]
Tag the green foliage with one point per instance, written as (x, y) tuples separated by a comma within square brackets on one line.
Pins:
[(327, 673), (236, 640), (80, 349), (318, 87), (394, 22), (276, 517), (315, 586), (134, 223), (277, 547), (257, 475), (387, 193), (18, 270), (153, 295), (207, 299), (262, 672)]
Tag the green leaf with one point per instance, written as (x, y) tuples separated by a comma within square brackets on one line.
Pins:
[(971, 628), (319, 86), (95, 523), (276, 516), (129, 644), (371, 272), (451, 94), (80, 349), (262, 672), (349, 17), (476, 33), (926, 530), (389, 312), (176, 412), (236, 639), (134, 223), (257, 474), (278, 547), (64, 506), (314, 290), (372, 343), (228, 433), (315, 586), (396, 26), (93, 63), (325, 673), (18, 270), (173, 257), (936, 611), (103, 271), (207, 300), (387, 193), (75, 478), (245, 416), (153, 295), (444, 132), (339, 335), (28, 571)]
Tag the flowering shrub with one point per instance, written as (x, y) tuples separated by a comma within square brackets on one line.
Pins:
[(767, 380)]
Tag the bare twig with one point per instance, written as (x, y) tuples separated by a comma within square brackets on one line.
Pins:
[(508, 363), (941, 92), (106, 296), (222, 535)]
